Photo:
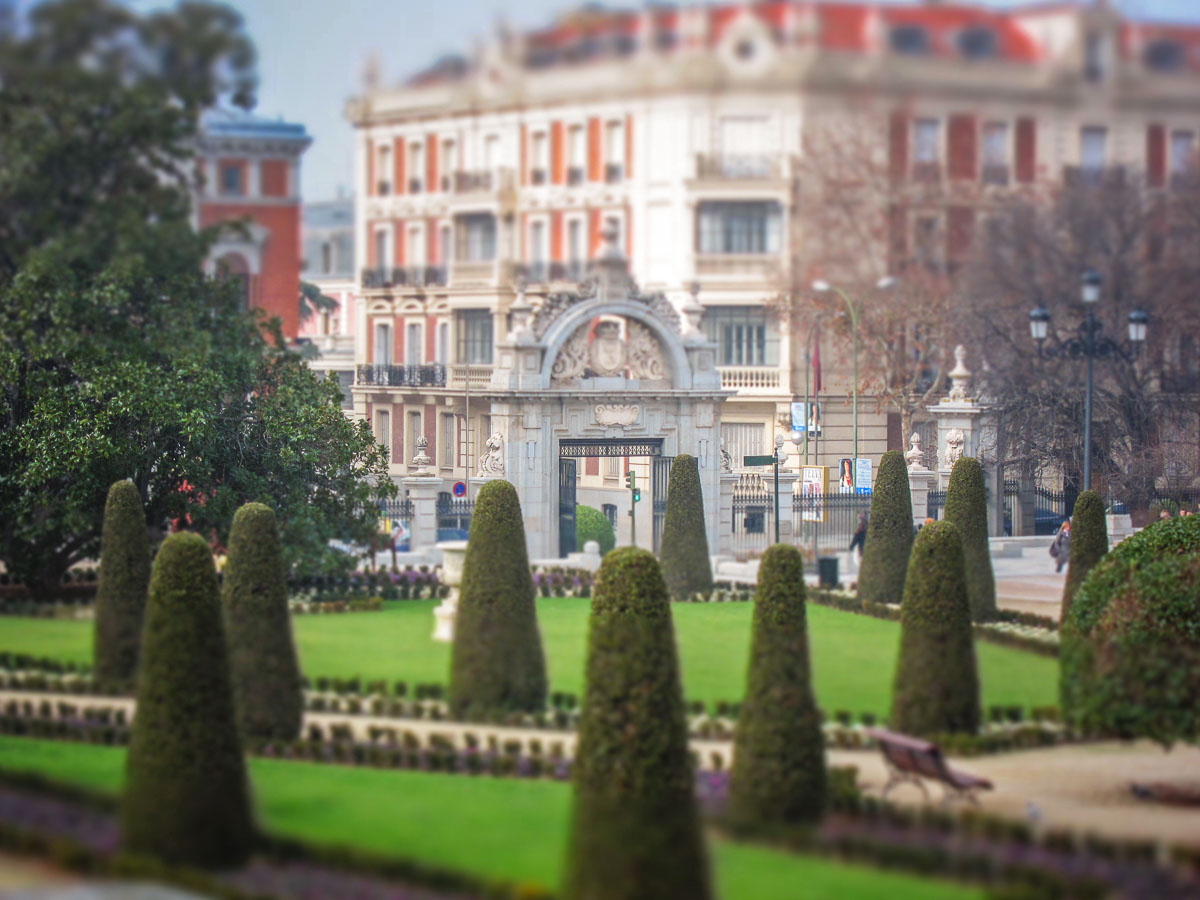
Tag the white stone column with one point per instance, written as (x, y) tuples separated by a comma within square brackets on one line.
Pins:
[(725, 510), (920, 480), (423, 491)]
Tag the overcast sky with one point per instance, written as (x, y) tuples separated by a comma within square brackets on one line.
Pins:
[(312, 55)]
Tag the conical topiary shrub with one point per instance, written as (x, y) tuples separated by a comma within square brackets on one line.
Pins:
[(635, 826), (779, 751), (889, 534), (496, 664), (685, 564), (966, 507), (262, 654), (937, 680), (186, 800), (124, 582), (1089, 543)]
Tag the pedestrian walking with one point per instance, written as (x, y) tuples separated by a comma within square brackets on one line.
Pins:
[(860, 535), (1060, 549)]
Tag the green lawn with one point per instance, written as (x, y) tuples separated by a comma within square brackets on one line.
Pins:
[(506, 828), (853, 656)]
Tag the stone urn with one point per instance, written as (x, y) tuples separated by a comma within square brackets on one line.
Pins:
[(453, 555)]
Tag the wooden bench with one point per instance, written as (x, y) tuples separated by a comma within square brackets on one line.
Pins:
[(911, 760)]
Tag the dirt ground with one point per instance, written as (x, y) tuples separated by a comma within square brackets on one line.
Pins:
[(1084, 787), (19, 873)]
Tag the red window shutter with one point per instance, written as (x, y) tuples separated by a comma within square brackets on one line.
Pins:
[(897, 234), (524, 150), (556, 237), (629, 146), (401, 244), (1156, 155), (964, 153), (1026, 150), (401, 151), (960, 231), (431, 241), (595, 151), (558, 159), (898, 145), (431, 163), (593, 233)]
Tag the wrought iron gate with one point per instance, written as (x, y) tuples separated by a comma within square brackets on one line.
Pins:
[(660, 477), (566, 506)]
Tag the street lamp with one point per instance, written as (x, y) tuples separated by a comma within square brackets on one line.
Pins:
[(1091, 345), (823, 287)]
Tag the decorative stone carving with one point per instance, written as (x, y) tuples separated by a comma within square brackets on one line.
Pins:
[(492, 460), (955, 439), (624, 416), (914, 453), (572, 360), (726, 460), (607, 352), (421, 459), (645, 354), (960, 376)]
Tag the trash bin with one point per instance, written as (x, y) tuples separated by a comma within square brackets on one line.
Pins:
[(827, 571)]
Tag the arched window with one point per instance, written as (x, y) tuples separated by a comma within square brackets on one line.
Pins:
[(1165, 56), (910, 39), (234, 265), (978, 42)]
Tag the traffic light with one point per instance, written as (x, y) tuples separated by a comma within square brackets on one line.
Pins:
[(631, 480), (637, 495)]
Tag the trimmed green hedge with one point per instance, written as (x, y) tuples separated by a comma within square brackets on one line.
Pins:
[(497, 665), (889, 534), (966, 507), (937, 678), (187, 796), (1131, 645), (779, 773), (124, 584), (1089, 543), (593, 525), (635, 823), (686, 567), (262, 653)]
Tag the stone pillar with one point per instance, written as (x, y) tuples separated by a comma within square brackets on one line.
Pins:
[(959, 432), (725, 510), (787, 490), (423, 492), (920, 480), (454, 553)]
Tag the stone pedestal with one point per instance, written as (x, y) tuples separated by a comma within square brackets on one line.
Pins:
[(423, 492), (725, 514), (920, 480), (787, 490), (453, 555)]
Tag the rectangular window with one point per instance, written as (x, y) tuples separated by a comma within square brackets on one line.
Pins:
[(926, 243), (614, 142), (576, 148), (741, 439), (926, 143), (449, 158), (383, 171), (745, 335), (740, 227), (383, 345), (491, 152), (448, 441), (233, 180), (575, 240), (537, 242), (416, 247), (443, 342), (475, 239), (383, 429), (474, 328), (346, 380), (995, 144), (1093, 149), (612, 467), (539, 158), (326, 258), (413, 344), (1183, 150), (383, 249)]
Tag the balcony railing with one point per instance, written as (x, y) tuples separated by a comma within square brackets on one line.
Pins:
[(927, 171), (478, 375), (472, 182), (575, 175), (737, 167), (433, 375), (473, 272), (751, 378), (614, 172), (401, 276), (1093, 176), (737, 265), (995, 174)]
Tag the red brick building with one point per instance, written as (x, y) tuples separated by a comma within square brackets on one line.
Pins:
[(251, 174)]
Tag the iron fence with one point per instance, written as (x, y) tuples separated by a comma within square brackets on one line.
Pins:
[(396, 522), (454, 518), (936, 504), (753, 523), (825, 523), (433, 375)]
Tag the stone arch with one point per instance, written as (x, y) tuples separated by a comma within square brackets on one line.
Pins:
[(561, 330)]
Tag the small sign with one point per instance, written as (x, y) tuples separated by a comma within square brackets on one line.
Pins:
[(799, 418), (862, 475), (768, 460), (460, 489)]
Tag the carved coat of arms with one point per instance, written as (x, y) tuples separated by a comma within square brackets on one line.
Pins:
[(607, 353)]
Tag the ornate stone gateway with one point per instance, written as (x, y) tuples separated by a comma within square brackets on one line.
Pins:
[(604, 370)]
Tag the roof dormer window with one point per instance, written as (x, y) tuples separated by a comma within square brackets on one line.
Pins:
[(912, 40), (978, 42), (1165, 56)]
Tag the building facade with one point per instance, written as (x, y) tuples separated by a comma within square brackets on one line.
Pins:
[(328, 263), (250, 180), (686, 132)]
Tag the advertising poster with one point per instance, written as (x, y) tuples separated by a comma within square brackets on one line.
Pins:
[(846, 476), (799, 418), (813, 480), (862, 476)]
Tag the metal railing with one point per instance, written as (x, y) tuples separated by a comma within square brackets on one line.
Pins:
[(737, 167), (433, 375), (472, 182), (826, 523), (476, 375), (757, 265), (454, 518), (753, 525)]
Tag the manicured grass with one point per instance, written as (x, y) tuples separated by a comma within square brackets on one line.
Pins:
[(854, 657), (506, 828)]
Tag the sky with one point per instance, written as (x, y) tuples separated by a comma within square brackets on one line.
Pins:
[(312, 54)]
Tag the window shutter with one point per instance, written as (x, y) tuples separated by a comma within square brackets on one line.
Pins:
[(401, 162), (558, 162), (1156, 155), (964, 153), (960, 232), (431, 163), (1026, 150), (895, 436), (595, 151), (898, 145)]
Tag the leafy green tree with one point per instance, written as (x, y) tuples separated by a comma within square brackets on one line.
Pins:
[(635, 826), (119, 357), (937, 678), (966, 507), (779, 773), (497, 665), (1089, 543), (262, 654), (187, 796), (685, 563), (889, 534), (593, 525), (312, 301), (124, 582)]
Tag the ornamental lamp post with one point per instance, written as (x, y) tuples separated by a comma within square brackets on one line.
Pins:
[(1090, 344)]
